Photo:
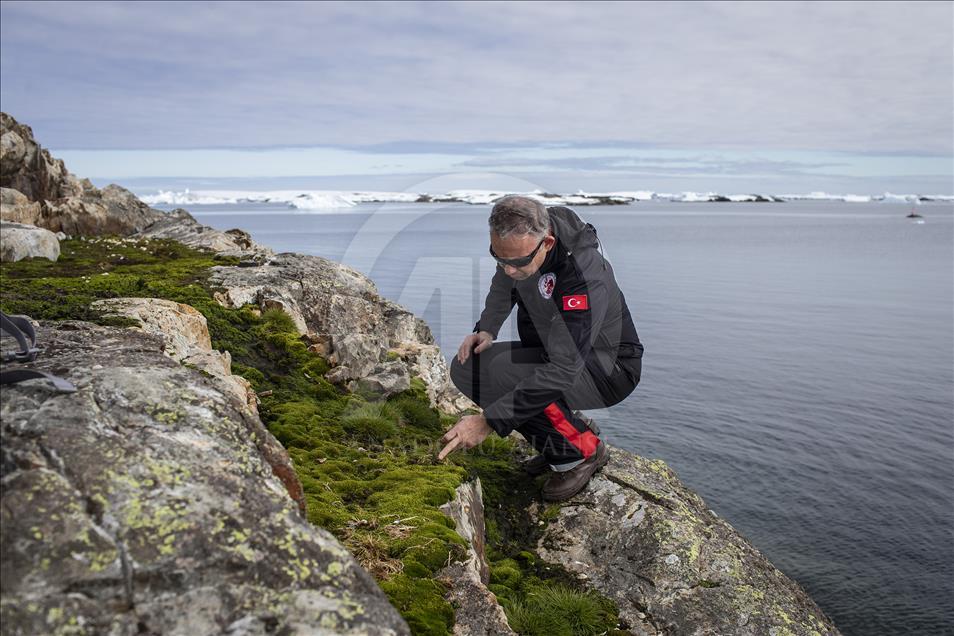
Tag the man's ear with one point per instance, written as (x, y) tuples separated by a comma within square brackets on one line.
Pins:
[(549, 242)]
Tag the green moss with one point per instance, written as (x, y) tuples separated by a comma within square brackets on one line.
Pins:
[(506, 572), (421, 603)]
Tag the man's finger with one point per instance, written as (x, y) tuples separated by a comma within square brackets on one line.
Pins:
[(449, 448), (464, 350), (451, 434)]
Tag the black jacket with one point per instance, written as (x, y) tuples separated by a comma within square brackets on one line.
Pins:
[(573, 308)]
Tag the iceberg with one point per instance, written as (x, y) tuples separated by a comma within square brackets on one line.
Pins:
[(320, 201), (338, 199)]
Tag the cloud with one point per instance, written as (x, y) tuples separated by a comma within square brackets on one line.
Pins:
[(872, 77), (649, 165)]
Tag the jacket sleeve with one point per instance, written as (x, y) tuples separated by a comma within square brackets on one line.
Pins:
[(570, 335), (498, 305)]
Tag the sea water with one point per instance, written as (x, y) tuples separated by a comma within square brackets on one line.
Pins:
[(798, 370)]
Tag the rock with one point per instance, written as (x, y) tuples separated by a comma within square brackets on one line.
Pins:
[(94, 212), (637, 535), (383, 381), (340, 311), (185, 334), (402, 326), (19, 241), (143, 503), (183, 329), (54, 199), (427, 362), (17, 208), (30, 169), (112, 210), (358, 352), (320, 295), (476, 610), (179, 225)]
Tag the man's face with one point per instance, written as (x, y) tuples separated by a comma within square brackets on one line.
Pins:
[(517, 245)]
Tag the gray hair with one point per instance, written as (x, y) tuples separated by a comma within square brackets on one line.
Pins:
[(517, 214)]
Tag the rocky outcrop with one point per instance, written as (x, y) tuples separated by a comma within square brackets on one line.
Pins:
[(39, 190), (476, 610), (185, 335), (145, 502), (180, 226), (30, 169), (19, 241), (112, 210), (637, 535), (90, 212), (340, 310)]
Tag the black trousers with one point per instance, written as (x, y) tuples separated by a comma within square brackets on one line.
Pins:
[(561, 436)]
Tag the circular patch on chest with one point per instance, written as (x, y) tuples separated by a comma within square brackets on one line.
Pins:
[(547, 284)]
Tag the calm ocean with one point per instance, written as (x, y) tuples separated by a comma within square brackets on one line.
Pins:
[(798, 373)]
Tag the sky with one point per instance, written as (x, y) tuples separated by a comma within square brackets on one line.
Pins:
[(771, 97)]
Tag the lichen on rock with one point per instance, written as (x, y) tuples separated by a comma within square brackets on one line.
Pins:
[(143, 500), (638, 535)]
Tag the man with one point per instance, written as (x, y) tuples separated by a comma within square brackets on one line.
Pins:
[(578, 345)]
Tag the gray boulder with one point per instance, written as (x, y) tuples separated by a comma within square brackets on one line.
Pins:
[(637, 535), (19, 241), (146, 502)]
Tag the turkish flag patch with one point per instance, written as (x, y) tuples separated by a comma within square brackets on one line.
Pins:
[(571, 303)]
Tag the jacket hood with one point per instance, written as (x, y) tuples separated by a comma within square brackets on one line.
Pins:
[(572, 231)]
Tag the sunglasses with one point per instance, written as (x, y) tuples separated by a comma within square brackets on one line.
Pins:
[(521, 261)]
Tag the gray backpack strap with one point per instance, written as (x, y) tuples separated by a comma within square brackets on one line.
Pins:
[(18, 375), (22, 331)]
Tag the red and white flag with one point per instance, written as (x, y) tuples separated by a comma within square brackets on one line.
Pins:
[(578, 302)]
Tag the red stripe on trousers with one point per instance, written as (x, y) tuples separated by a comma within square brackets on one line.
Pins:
[(585, 442)]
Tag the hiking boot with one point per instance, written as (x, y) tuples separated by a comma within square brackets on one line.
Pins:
[(563, 485), (536, 465)]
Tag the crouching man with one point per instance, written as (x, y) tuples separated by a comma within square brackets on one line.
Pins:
[(578, 346)]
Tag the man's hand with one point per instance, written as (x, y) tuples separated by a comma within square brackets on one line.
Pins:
[(470, 431), (482, 339)]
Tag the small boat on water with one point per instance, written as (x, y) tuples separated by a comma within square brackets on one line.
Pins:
[(918, 218)]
